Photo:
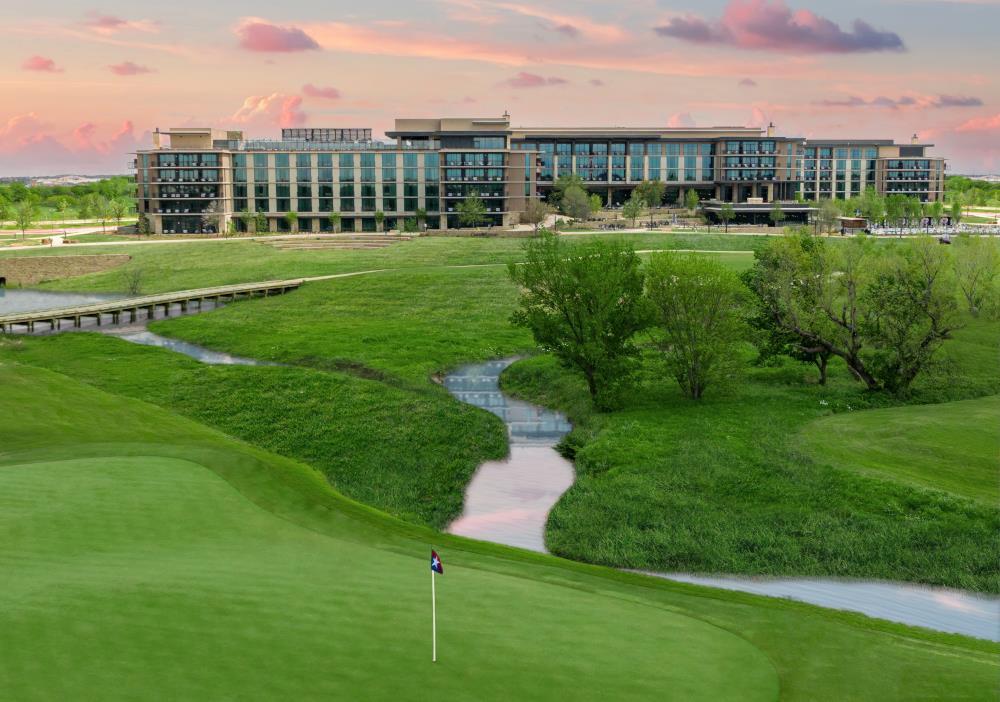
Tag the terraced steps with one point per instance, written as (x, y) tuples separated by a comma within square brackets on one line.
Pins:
[(335, 241)]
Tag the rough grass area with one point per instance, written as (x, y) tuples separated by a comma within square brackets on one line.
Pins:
[(31, 270), (953, 446), (167, 267), (720, 486), (144, 552)]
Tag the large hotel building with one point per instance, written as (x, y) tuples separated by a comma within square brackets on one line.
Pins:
[(204, 178)]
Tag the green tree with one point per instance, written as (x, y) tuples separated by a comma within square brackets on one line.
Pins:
[(895, 208), (410, 225), (421, 216), (584, 305), (246, 219), (292, 219), (873, 205), (651, 192), (699, 310), (977, 268), (562, 184), (575, 203), (379, 219), (632, 209), (25, 214), (260, 224), (119, 207), (594, 204), (535, 213), (777, 215), (62, 207), (956, 212), (727, 214), (334, 221), (827, 215), (472, 211), (691, 199), (102, 209)]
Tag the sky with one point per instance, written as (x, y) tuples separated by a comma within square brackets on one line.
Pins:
[(83, 83)]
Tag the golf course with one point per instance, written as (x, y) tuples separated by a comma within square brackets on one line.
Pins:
[(264, 531)]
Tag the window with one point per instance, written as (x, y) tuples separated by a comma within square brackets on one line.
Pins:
[(636, 149), (489, 142)]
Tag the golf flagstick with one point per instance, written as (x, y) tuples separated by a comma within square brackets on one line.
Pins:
[(434, 634)]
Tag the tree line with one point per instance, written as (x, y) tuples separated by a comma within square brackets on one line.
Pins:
[(111, 199), (885, 310)]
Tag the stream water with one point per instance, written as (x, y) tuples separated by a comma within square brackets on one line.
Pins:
[(14, 300), (508, 502)]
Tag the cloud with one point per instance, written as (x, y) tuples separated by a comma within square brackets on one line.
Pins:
[(596, 82), (270, 110), (919, 101), (109, 24), (569, 25), (681, 120), (41, 64), (980, 124), (770, 25), (260, 35), (532, 80), (127, 68), (748, 83), (315, 91), (30, 146)]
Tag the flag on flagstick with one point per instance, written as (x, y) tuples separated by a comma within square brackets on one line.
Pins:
[(436, 567)]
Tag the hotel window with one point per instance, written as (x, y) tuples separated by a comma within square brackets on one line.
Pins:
[(410, 168), (636, 149), (690, 174), (489, 142), (871, 153), (260, 168), (732, 147), (841, 153), (855, 153), (347, 168), (282, 174), (368, 197), (690, 149), (673, 149), (389, 168), (705, 149), (637, 168), (347, 204), (581, 149), (616, 149)]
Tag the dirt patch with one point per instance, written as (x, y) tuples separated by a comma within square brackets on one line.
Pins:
[(31, 270)]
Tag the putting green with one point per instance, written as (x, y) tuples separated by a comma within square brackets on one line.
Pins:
[(127, 575)]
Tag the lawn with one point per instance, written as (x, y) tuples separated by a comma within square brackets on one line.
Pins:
[(953, 446), (147, 554), (167, 267)]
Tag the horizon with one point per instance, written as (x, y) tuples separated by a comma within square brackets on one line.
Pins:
[(86, 84)]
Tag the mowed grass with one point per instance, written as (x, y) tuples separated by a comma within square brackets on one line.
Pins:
[(167, 267), (721, 486), (953, 446), (146, 555)]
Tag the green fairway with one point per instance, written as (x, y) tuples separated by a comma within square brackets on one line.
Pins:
[(145, 555), (953, 446), (167, 267)]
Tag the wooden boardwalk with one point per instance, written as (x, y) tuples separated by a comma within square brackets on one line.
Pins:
[(130, 307)]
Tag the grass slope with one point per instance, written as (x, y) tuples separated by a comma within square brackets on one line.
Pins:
[(145, 554), (168, 267), (954, 446), (718, 486)]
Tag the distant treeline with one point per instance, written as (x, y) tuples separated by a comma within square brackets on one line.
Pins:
[(66, 201), (971, 192)]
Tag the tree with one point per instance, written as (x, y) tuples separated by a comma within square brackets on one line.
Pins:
[(575, 203), (62, 207), (535, 213), (142, 224), (211, 217), (584, 305), (410, 225), (118, 208), (25, 215), (292, 219), (873, 205), (562, 184), (594, 204), (699, 308), (936, 211), (977, 268), (651, 192), (132, 281), (246, 219), (956, 212), (632, 208), (828, 214), (379, 219), (334, 221), (691, 199), (883, 311), (260, 222), (472, 211), (421, 216), (777, 214), (727, 214), (87, 206), (895, 208), (102, 208)]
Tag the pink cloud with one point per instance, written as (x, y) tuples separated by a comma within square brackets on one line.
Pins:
[(748, 83), (269, 110), (317, 92), (532, 80), (680, 120), (30, 146), (569, 25), (109, 24), (260, 35), (127, 68), (980, 124), (770, 25), (596, 82), (42, 64)]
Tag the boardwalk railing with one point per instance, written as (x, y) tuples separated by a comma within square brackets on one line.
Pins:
[(131, 306)]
